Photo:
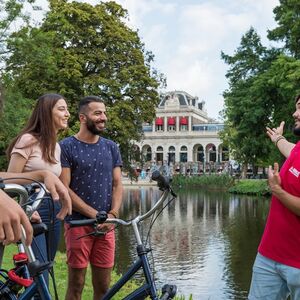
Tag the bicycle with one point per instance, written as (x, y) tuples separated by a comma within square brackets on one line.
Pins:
[(148, 289), (25, 280)]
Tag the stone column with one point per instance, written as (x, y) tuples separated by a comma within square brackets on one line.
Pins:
[(190, 123), (177, 124), (165, 124), (189, 153)]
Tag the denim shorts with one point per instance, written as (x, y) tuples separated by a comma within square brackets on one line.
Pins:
[(273, 281)]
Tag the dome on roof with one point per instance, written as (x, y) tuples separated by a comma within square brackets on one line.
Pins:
[(180, 98)]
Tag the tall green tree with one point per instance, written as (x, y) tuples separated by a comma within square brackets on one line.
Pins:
[(82, 49), (11, 12), (246, 112), (287, 15), (14, 108)]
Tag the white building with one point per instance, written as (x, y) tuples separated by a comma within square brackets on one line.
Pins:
[(183, 134)]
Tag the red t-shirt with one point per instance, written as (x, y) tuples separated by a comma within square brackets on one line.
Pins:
[(281, 238)]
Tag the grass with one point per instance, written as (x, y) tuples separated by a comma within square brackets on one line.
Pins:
[(60, 269)]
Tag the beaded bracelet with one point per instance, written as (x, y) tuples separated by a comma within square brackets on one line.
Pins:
[(280, 137), (114, 213)]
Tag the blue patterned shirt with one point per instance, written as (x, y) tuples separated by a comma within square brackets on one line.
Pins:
[(91, 171)]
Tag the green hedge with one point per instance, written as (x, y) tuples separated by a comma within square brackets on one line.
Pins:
[(221, 181), (257, 187), (224, 182)]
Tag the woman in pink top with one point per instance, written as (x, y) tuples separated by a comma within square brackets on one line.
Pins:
[(36, 148)]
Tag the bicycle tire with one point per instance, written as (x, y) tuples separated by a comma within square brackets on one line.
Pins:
[(5, 293)]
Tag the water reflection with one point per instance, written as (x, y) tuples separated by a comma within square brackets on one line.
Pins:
[(205, 242)]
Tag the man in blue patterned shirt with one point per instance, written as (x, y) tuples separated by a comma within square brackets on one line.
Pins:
[(91, 170)]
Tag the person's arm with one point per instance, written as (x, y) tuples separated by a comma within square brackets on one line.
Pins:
[(16, 163), (52, 183), (12, 216), (117, 192), (275, 134), (116, 199), (77, 203), (288, 200)]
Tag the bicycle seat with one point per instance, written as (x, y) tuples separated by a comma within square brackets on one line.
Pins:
[(39, 228)]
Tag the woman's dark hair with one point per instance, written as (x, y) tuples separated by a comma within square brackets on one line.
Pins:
[(41, 126)]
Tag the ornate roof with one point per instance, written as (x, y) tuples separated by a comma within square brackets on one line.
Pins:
[(180, 98)]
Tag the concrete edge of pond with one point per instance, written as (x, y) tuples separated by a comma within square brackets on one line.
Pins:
[(140, 182)]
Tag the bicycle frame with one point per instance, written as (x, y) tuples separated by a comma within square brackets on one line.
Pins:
[(149, 288), (39, 285)]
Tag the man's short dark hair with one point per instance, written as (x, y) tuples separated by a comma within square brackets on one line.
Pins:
[(84, 102), (297, 98)]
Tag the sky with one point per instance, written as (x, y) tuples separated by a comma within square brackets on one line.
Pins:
[(187, 37)]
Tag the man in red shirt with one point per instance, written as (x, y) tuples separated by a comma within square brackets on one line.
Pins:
[(276, 270)]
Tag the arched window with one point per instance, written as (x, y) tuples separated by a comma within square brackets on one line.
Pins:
[(183, 154), (171, 155), (224, 153), (159, 153), (212, 153), (200, 153), (147, 153)]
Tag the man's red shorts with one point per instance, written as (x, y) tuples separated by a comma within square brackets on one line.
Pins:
[(99, 251)]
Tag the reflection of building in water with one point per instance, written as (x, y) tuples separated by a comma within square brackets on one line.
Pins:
[(183, 136), (202, 242)]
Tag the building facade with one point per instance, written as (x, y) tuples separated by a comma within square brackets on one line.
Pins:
[(182, 134)]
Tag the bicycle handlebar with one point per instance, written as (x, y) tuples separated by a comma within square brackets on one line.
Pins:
[(12, 188), (162, 183)]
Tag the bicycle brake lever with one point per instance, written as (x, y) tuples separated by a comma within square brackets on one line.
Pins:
[(94, 233), (173, 193)]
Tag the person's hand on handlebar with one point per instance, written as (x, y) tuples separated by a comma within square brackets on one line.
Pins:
[(59, 193), (56, 188), (12, 217), (105, 227)]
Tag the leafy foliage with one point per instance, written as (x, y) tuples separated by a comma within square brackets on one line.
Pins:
[(288, 30), (80, 50), (263, 84), (246, 110), (222, 181), (15, 112), (251, 187)]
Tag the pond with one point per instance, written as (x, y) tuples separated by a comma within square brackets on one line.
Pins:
[(204, 242)]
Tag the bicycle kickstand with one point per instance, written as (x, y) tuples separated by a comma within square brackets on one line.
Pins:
[(168, 292)]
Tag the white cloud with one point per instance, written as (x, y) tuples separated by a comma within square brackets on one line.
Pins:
[(187, 37)]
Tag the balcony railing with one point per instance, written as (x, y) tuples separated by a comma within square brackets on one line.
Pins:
[(198, 127)]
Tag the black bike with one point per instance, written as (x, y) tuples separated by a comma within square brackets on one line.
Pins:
[(148, 289)]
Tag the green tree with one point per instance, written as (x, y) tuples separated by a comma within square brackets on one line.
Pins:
[(82, 49), (279, 85), (11, 13), (287, 15), (246, 111), (15, 112)]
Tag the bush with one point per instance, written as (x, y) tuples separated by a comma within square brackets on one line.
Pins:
[(257, 187), (222, 181)]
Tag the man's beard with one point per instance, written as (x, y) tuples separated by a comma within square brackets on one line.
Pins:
[(91, 127), (296, 131)]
